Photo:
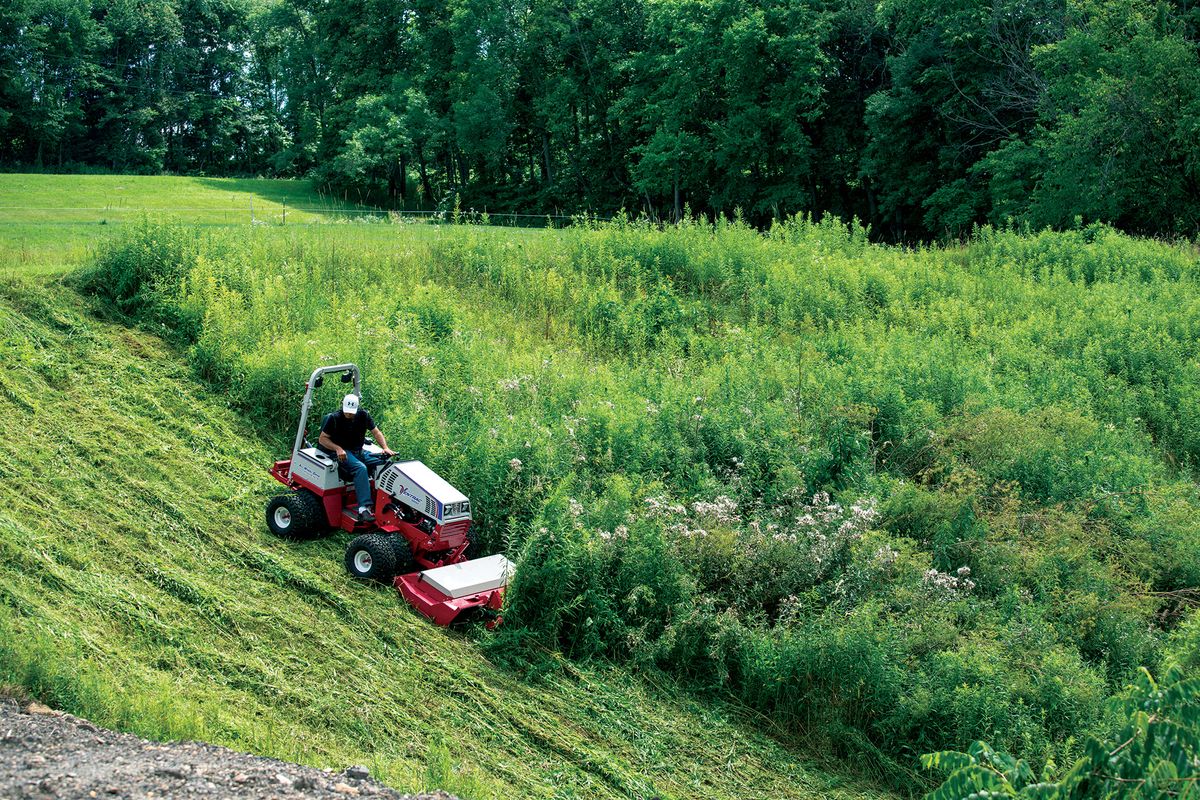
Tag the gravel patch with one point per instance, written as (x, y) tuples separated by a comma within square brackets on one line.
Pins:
[(48, 754)]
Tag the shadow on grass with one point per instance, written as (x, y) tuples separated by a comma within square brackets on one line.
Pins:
[(300, 194)]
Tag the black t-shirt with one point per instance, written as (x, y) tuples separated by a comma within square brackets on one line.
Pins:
[(348, 433)]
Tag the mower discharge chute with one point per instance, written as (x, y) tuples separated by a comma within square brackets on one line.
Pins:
[(420, 540)]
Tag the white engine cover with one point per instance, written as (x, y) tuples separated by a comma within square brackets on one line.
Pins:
[(317, 468), (417, 486)]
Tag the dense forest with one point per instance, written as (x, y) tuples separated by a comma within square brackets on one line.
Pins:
[(920, 117)]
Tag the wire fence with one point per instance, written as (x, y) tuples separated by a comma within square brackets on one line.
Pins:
[(280, 214)]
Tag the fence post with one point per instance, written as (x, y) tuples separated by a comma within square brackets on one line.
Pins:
[(285, 212)]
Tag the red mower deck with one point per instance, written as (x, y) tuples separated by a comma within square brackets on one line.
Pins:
[(444, 593)]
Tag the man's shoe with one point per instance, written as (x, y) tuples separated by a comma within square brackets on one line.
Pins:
[(366, 516)]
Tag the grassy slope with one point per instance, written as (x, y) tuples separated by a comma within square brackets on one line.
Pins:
[(138, 587)]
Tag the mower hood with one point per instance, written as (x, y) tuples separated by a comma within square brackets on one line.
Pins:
[(416, 485)]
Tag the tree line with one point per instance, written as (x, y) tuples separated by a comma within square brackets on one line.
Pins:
[(919, 117)]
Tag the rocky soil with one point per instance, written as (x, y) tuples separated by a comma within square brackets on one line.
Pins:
[(48, 754)]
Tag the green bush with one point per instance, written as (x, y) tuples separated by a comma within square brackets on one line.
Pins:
[(1153, 751), (142, 273)]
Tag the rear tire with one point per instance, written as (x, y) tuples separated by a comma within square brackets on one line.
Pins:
[(371, 557), (296, 515)]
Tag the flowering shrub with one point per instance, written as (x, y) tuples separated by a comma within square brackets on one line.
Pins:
[(950, 585)]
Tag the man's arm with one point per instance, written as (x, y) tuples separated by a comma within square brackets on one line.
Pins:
[(329, 444), (381, 441)]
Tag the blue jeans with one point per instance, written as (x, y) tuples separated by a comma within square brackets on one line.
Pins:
[(360, 465)]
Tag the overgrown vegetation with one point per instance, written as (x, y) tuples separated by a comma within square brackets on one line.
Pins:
[(896, 500), (1154, 753), (138, 588)]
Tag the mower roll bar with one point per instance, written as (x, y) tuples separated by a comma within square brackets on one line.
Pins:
[(314, 381)]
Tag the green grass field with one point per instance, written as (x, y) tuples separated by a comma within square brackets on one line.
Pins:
[(52, 223), (139, 588), (109, 198)]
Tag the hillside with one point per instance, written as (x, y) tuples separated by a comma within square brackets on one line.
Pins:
[(894, 500), (139, 588), (887, 501)]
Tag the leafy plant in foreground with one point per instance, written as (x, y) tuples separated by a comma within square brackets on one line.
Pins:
[(1155, 753)]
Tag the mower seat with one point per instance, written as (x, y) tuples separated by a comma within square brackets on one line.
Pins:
[(342, 472)]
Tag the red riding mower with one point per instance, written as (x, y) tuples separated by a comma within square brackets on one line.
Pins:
[(421, 539)]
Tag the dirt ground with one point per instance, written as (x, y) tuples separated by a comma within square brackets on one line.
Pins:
[(47, 754)]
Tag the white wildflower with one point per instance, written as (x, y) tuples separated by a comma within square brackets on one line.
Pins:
[(948, 585), (723, 510), (886, 556)]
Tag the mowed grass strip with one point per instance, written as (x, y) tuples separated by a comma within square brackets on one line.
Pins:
[(28, 198), (138, 587)]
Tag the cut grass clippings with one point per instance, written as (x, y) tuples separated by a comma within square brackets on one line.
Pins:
[(139, 588)]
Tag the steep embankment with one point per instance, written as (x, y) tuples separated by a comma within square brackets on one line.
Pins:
[(139, 588)]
